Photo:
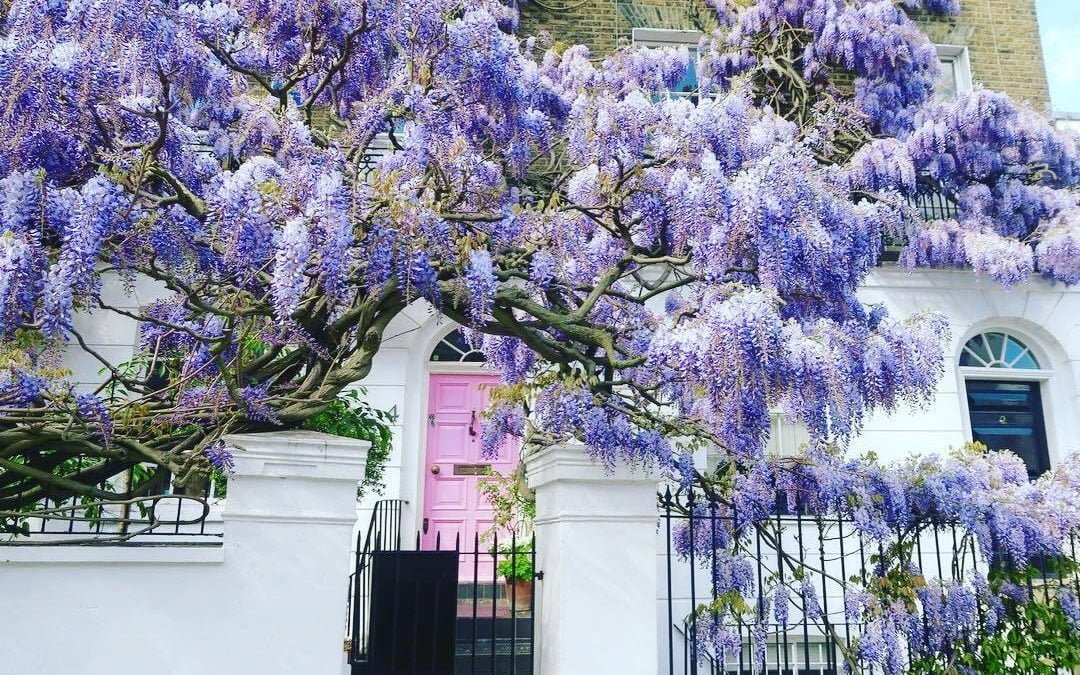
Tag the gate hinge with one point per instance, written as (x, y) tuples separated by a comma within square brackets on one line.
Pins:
[(348, 645)]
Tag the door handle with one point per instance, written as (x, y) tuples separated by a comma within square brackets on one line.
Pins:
[(435, 469), (472, 423), (431, 420)]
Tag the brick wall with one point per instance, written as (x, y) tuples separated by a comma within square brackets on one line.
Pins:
[(588, 22), (1001, 35)]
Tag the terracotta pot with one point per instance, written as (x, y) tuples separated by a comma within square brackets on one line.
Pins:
[(520, 593)]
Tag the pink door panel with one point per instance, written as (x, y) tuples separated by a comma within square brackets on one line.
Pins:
[(453, 506)]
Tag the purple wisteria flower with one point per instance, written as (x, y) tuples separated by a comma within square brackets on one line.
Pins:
[(480, 280), (1071, 607), (92, 410), (781, 605), (220, 457)]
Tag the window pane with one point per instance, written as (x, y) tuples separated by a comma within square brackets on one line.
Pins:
[(688, 84), (454, 348), (975, 353), (457, 338), (1027, 362), (996, 342), (1009, 416), (947, 85), (444, 351), (1013, 350), (1017, 354)]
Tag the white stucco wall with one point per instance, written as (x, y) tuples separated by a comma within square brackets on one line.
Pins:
[(112, 335), (270, 600), (1045, 316)]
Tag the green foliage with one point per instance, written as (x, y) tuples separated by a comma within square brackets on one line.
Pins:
[(1032, 638), (513, 511), (1036, 639), (513, 504), (516, 563), (350, 416)]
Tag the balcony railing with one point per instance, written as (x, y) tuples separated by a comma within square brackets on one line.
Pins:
[(931, 206)]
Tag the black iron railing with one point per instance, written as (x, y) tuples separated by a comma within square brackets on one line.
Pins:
[(153, 520), (496, 604), (383, 533), (931, 206), (832, 556), (440, 606), (935, 206)]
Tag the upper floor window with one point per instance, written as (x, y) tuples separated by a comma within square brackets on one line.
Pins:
[(955, 76), (455, 348), (787, 438), (667, 37)]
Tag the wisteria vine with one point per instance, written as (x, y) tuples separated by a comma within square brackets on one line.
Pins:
[(649, 273)]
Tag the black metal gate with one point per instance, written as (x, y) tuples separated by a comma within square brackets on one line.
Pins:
[(463, 608), (414, 599)]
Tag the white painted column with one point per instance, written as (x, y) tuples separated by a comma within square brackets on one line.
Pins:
[(288, 527), (596, 545)]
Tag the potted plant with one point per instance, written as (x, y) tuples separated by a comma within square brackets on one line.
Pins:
[(516, 569), (513, 510)]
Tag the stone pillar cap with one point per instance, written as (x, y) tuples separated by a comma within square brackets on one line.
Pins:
[(298, 453), (570, 463)]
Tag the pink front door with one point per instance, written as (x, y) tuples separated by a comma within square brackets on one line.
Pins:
[(453, 506)]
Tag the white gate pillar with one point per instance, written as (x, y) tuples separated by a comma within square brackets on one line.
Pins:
[(596, 546), (289, 520)]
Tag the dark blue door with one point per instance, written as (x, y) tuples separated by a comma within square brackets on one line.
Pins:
[(1008, 415)]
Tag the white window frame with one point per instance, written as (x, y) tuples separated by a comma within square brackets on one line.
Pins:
[(1000, 358), (665, 37), (451, 367), (815, 644), (459, 364), (958, 56)]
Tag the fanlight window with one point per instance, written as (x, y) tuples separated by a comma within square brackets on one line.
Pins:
[(454, 348), (997, 350)]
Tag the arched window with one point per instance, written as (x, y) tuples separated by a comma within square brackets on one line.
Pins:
[(1004, 402), (997, 350), (454, 348)]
